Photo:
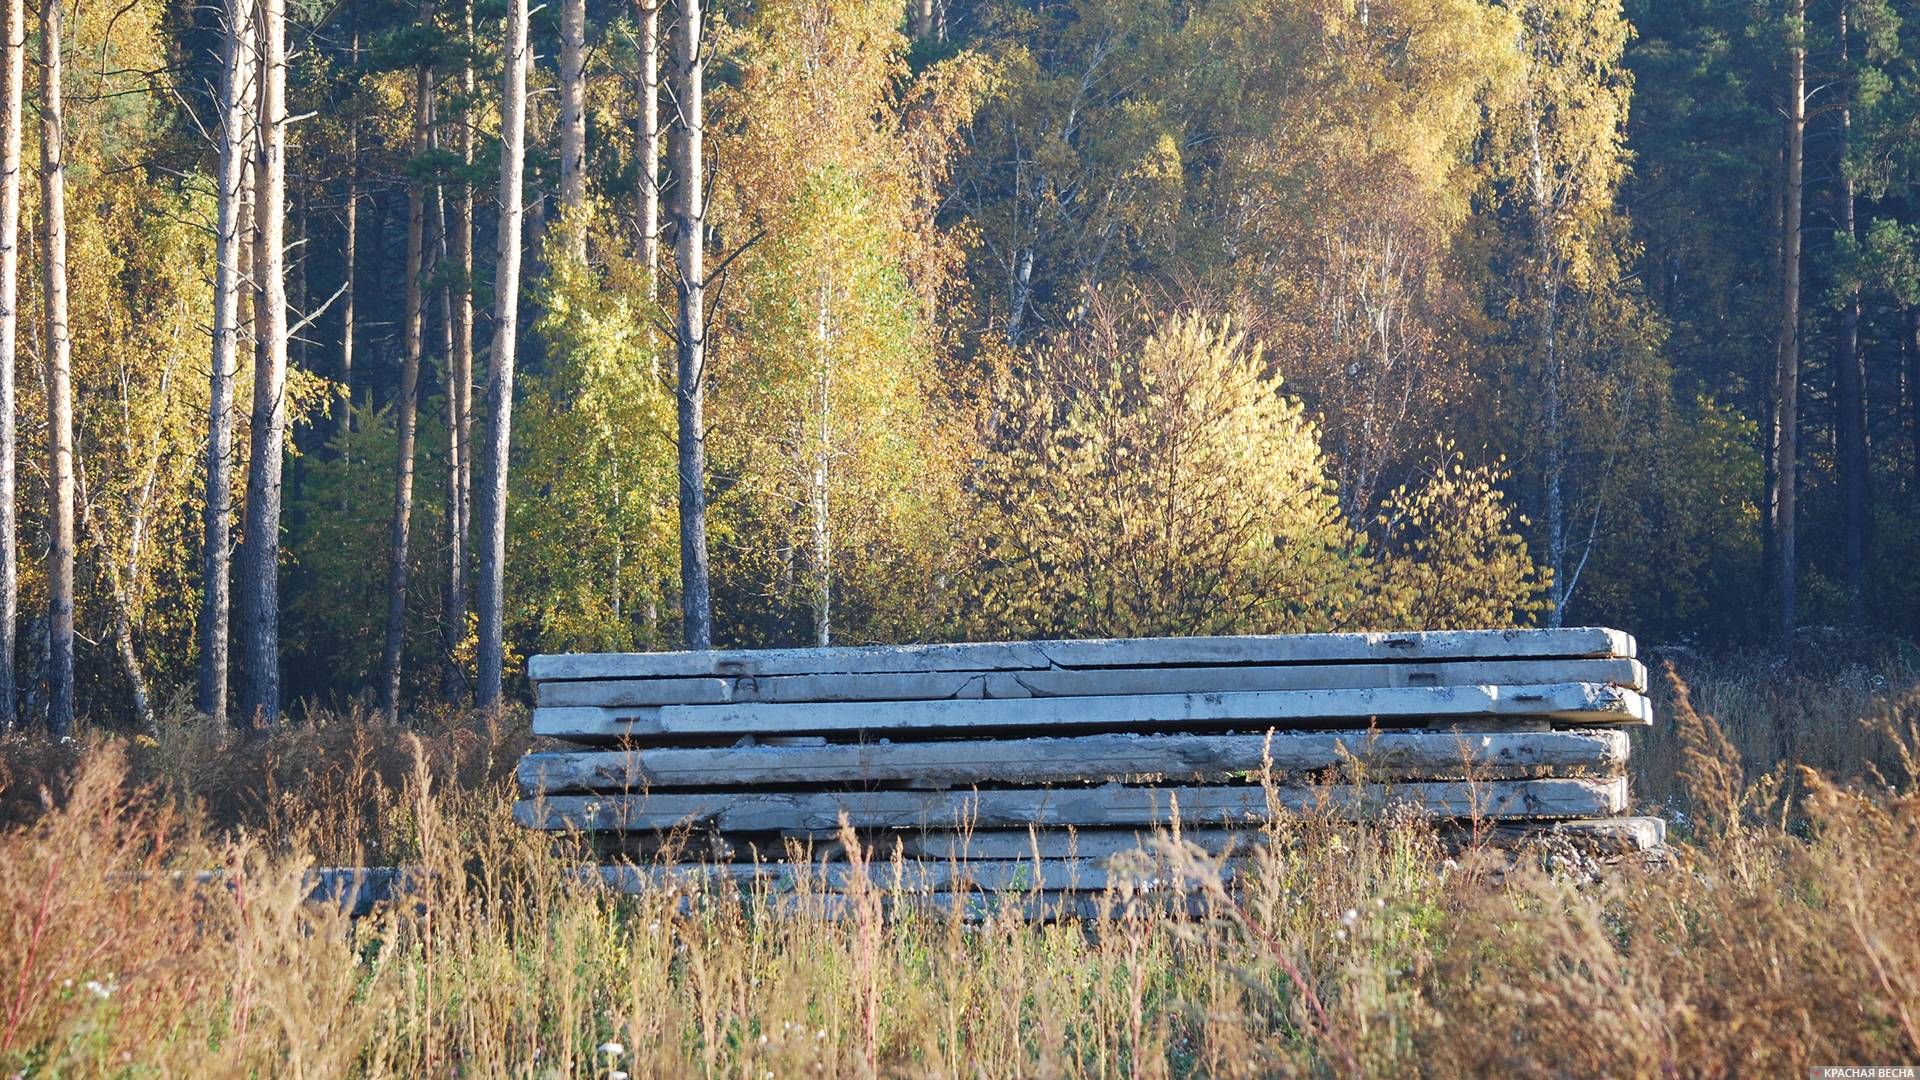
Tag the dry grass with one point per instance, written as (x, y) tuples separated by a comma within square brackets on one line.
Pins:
[(1828, 711), (1785, 934)]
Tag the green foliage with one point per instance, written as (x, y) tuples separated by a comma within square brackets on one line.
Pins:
[(1345, 233), (839, 497), (591, 524), (1450, 556), (1154, 480), (338, 549)]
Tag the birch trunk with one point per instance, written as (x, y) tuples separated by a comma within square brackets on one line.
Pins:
[(1786, 419), (649, 151), (1547, 341), (343, 424), (649, 168), (217, 519), (406, 405), (573, 123), (124, 577), (506, 315), (819, 504), (691, 328), (60, 548), (12, 99), (260, 555)]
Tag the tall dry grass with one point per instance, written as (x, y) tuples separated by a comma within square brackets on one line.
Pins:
[(1826, 709), (1784, 934)]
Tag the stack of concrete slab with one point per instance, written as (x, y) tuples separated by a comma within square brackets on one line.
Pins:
[(1035, 765)]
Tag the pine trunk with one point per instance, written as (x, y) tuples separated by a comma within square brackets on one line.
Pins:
[(506, 316), (691, 328), (1786, 434), (260, 553), (1850, 377), (406, 405), (460, 396), (60, 531)]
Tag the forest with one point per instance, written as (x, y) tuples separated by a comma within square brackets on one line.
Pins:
[(351, 353), (357, 356)]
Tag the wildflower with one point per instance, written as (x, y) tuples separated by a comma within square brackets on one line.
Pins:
[(1339, 935), (616, 1074), (103, 991), (1352, 916), (612, 1049)]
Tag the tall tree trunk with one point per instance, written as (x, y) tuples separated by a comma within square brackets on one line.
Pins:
[(1547, 331), (124, 578), (343, 424), (819, 503), (217, 520), (460, 394), (260, 554), (12, 101), (450, 523), (1850, 380), (690, 223), (506, 318), (1786, 420), (649, 149), (406, 404), (60, 532), (649, 170), (573, 123)]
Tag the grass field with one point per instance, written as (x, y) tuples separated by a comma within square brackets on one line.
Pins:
[(1783, 933)]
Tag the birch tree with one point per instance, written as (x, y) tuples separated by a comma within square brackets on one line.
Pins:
[(350, 254), (60, 523), (690, 324), (12, 98), (260, 554), (506, 320), (649, 147), (573, 123), (236, 78), (1572, 133)]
